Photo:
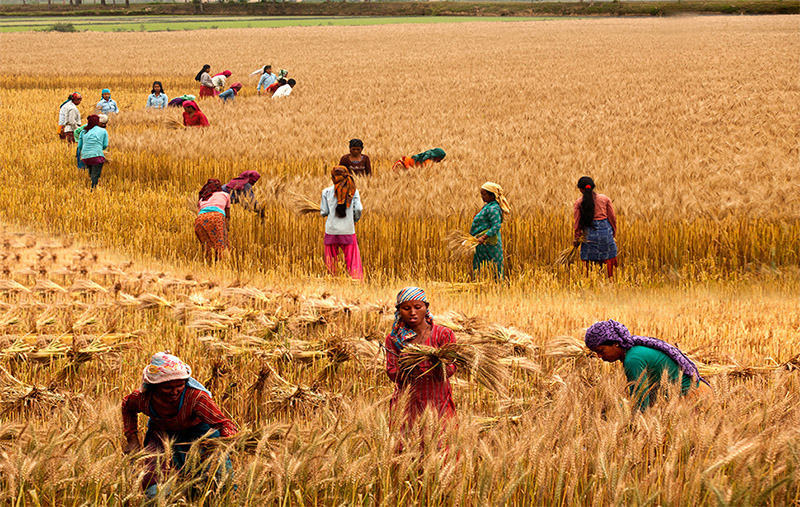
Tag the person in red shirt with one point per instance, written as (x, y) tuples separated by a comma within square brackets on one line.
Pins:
[(274, 86), (429, 384), (193, 116), (180, 409)]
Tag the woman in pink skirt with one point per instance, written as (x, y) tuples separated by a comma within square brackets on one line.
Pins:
[(341, 203)]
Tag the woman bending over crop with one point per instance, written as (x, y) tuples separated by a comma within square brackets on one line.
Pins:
[(180, 409), (240, 189), (211, 224), (486, 228), (206, 84), (429, 383), (341, 203), (595, 226), (193, 116), (645, 361), (423, 159)]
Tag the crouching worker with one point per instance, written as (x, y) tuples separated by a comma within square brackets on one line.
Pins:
[(645, 361), (180, 410)]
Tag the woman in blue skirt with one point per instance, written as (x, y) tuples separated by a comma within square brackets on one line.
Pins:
[(595, 227)]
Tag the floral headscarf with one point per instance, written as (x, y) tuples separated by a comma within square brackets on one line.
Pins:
[(164, 367)]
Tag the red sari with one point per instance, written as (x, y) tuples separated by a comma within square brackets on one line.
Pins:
[(423, 386), (196, 119)]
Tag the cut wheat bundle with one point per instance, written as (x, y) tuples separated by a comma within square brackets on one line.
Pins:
[(174, 124), (568, 256), (480, 361), (565, 347), (460, 243), (300, 204)]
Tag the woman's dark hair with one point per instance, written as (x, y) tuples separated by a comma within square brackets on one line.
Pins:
[(356, 143), (206, 68), (341, 210), (586, 186), (159, 84), (291, 82), (267, 67), (281, 81)]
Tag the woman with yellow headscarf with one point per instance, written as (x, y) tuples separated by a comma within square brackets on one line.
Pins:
[(486, 228)]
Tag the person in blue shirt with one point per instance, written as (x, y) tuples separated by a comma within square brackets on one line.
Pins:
[(107, 104), (158, 98), (230, 93), (266, 79), (93, 140)]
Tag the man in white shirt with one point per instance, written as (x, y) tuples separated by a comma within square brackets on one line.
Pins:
[(285, 90)]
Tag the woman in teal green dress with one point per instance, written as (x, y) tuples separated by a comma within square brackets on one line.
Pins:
[(486, 228)]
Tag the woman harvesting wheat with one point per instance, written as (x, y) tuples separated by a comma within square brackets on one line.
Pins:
[(206, 84), (428, 384), (595, 226), (211, 224), (192, 115), (341, 204), (180, 410), (486, 228), (645, 361)]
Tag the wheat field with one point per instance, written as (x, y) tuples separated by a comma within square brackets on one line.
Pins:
[(690, 125)]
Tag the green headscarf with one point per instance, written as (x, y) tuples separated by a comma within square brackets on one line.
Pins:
[(188, 97), (427, 155)]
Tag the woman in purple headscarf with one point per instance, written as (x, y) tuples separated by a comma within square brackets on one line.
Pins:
[(240, 189), (645, 360)]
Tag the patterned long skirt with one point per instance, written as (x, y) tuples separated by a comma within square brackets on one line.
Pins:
[(212, 231), (487, 255)]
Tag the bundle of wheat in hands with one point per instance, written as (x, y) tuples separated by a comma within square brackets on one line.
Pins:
[(461, 244), (568, 256), (481, 362), (301, 205)]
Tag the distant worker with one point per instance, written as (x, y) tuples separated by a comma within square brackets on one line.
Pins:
[(69, 117), (595, 227), (213, 216), (285, 90), (157, 99), (193, 116), (102, 122), (178, 101), (206, 84), (355, 161), (486, 228), (107, 104), (645, 361), (274, 86), (423, 159), (341, 204), (230, 93), (267, 78), (91, 145), (219, 81)]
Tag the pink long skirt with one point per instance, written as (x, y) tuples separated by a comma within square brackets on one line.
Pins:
[(352, 258)]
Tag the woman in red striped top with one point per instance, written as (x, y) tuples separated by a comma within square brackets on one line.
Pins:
[(180, 409), (429, 383)]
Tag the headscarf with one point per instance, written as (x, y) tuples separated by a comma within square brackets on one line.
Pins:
[(164, 367), (243, 179), (188, 97), (400, 334), (191, 103), (236, 86), (92, 121), (282, 74), (71, 96), (344, 185), (225, 73), (105, 90), (209, 188), (499, 195), (612, 331), (102, 119), (429, 154)]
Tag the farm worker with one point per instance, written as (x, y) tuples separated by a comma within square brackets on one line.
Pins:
[(356, 162), (645, 360), (274, 86), (102, 121), (240, 189), (486, 228), (230, 93), (429, 383), (180, 410), (595, 226), (157, 99), (206, 85), (213, 215), (341, 203), (266, 79), (219, 80), (69, 117), (107, 104), (424, 159), (178, 101), (284, 90), (193, 116), (93, 140)]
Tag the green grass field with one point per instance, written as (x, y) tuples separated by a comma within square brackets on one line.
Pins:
[(174, 23)]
